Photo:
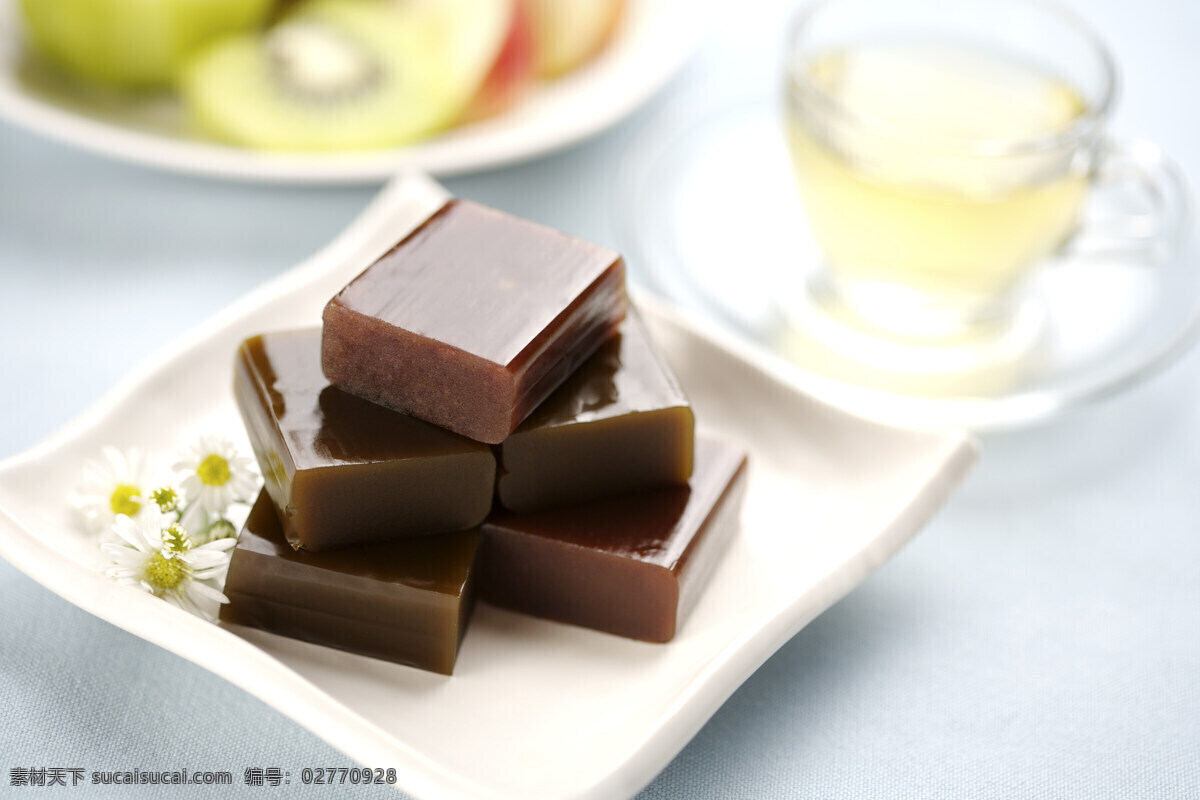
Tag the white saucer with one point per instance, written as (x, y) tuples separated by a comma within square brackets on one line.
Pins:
[(713, 220)]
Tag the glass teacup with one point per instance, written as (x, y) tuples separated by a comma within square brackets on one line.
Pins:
[(943, 153)]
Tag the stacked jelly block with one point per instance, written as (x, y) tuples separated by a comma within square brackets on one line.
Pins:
[(633, 566), (472, 320), (373, 436), (620, 423), (406, 601), (343, 471)]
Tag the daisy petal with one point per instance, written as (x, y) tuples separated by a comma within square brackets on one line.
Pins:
[(204, 590)]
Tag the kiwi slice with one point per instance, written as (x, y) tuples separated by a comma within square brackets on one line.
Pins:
[(133, 43), (334, 75)]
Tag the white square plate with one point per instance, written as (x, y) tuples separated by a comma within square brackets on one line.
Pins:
[(534, 709)]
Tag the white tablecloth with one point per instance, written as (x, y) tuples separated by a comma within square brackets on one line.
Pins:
[(1041, 638)]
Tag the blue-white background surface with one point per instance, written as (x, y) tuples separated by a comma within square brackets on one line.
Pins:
[(1041, 638)]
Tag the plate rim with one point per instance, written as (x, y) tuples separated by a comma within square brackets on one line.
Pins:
[(488, 145), (281, 687)]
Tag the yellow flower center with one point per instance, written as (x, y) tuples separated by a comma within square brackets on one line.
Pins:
[(213, 470), (166, 499), (164, 574), (123, 500), (176, 540)]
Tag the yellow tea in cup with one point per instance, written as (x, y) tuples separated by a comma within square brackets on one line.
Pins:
[(914, 184), (943, 152)]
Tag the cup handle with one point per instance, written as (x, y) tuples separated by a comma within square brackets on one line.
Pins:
[(1139, 206)]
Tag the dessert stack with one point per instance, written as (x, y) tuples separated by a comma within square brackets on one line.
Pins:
[(482, 414)]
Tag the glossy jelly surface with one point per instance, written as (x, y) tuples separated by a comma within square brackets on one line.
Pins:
[(473, 319), (620, 423), (406, 601), (342, 470), (633, 566)]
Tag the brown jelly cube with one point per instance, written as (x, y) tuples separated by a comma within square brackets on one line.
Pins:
[(633, 566), (343, 471), (620, 423), (406, 601), (473, 319)]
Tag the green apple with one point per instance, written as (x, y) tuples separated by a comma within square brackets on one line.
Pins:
[(133, 43)]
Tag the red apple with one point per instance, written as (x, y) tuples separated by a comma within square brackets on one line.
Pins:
[(513, 71), (491, 39), (567, 33)]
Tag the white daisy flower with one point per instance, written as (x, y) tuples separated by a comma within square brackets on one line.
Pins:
[(115, 484), (166, 498), (160, 558), (194, 517), (214, 477), (221, 529)]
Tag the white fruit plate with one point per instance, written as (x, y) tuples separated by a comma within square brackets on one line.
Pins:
[(652, 42), (534, 709)]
